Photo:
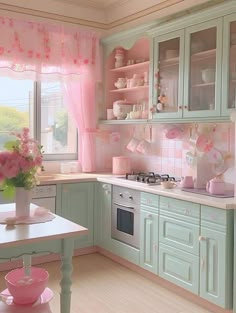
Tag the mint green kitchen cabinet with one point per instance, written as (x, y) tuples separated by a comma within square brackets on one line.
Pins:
[(216, 256), (187, 71), (179, 246), (149, 220), (167, 75), (75, 202), (102, 215), (229, 65), (204, 43)]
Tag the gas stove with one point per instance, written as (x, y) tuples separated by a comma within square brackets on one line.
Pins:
[(149, 178)]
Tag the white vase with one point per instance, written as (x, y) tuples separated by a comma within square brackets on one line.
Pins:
[(23, 199)]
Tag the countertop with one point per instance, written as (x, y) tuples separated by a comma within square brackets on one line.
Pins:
[(177, 193)]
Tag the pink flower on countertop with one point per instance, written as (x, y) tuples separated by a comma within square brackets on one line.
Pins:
[(86, 61)]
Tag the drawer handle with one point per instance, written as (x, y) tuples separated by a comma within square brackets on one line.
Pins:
[(201, 238)]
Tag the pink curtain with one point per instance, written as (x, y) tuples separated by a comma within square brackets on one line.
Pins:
[(80, 98), (40, 51)]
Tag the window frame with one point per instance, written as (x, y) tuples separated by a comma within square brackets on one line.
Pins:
[(37, 129), (35, 126)]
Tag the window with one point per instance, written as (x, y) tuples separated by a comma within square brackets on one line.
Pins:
[(24, 103)]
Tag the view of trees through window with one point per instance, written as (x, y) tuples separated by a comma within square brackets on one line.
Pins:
[(53, 126)]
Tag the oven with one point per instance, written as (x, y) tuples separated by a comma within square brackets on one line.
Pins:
[(125, 216)]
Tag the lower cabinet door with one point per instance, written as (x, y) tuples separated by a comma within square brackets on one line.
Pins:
[(77, 201), (102, 215), (216, 274), (179, 267), (149, 241), (179, 234)]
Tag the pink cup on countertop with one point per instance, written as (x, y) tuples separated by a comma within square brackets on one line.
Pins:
[(187, 182), (121, 165)]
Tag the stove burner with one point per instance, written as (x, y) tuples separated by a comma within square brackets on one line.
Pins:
[(149, 178)]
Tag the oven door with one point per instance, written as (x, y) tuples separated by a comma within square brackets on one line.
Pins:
[(125, 221)]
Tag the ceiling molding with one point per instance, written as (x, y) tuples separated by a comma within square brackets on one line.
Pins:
[(143, 13), (91, 3), (52, 16), (164, 7)]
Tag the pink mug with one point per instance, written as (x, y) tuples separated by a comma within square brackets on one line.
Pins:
[(132, 145), (143, 147), (187, 182)]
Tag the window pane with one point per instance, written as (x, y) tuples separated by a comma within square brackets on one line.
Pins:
[(16, 106), (58, 131)]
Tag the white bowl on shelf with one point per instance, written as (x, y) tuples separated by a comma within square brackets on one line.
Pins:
[(208, 75), (121, 108)]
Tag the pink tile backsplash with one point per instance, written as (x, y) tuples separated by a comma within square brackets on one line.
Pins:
[(165, 155)]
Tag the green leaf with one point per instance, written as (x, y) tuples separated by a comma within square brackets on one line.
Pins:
[(9, 192), (10, 145)]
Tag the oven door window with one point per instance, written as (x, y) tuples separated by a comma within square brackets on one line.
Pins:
[(125, 221)]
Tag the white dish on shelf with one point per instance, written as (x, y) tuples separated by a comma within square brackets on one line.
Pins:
[(45, 297), (208, 75)]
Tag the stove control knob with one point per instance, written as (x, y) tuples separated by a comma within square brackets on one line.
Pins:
[(130, 197), (121, 195)]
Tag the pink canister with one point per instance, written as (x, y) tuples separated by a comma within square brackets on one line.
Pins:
[(121, 165)]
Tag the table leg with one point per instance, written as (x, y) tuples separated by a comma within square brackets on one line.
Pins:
[(66, 270)]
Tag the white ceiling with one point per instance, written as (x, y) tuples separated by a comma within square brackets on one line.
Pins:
[(107, 16)]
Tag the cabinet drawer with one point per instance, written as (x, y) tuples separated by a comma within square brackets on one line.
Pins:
[(179, 234), (150, 200), (213, 215), (179, 267), (180, 207)]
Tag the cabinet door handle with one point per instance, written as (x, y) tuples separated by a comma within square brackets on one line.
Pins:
[(150, 216), (202, 263), (201, 238), (186, 107), (180, 107)]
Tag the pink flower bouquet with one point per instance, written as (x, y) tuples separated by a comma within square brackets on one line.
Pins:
[(19, 163)]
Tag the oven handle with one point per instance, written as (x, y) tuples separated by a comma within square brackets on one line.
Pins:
[(124, 206)]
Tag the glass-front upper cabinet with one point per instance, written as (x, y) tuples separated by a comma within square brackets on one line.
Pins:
[(167, 87), (229, 65), (202, 79)]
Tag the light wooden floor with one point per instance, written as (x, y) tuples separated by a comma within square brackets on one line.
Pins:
[(103, 286)]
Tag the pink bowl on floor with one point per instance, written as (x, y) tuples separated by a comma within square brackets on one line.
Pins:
[(26, 289)]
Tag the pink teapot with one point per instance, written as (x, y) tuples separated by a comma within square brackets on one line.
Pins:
[(216, 186)]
